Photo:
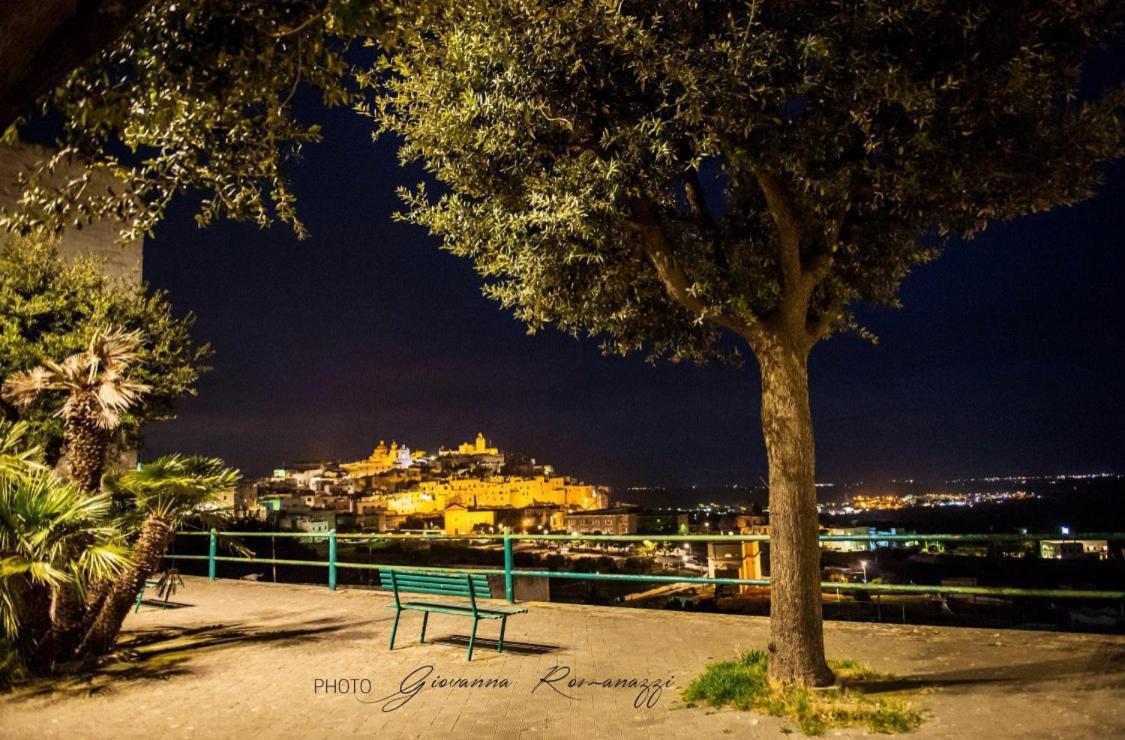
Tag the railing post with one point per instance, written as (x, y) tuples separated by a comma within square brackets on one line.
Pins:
[(509, 591), (211, 554), (332, 560)]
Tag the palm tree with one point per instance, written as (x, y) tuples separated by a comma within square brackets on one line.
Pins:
[(55, 540), (160, 497), (98, 391)]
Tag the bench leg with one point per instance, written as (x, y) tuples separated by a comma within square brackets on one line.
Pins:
[(140, 598), (394, 629), (500, 644), (425, 617), (472, 638)]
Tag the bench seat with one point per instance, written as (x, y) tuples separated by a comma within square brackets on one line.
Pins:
[(445, 607), (470, 586)]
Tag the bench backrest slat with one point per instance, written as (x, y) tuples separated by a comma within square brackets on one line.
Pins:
[(441, 584)]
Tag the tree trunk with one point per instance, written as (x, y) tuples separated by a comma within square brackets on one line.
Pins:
[(796, 620), (95, 598), (86, 445), (65, 613), (155, 536), (35, 627)]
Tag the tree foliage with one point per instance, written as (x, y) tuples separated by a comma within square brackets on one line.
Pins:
[(96, 392), (72, 562), (50, 310), (195, 95), (654, 172), (176, 488), (154, 501), (54, 538), (659, 173)]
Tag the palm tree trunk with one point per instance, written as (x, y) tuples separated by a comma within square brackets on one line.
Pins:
[(65, 613), (35, 629), (155, 536), (95, 597), (86, 444)]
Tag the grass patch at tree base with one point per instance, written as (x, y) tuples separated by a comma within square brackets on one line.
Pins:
[(745, 684)]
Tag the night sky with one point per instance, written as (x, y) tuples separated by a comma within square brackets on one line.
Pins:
[(1006, 357)]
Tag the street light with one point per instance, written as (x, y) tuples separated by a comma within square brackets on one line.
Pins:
[(863, 564)]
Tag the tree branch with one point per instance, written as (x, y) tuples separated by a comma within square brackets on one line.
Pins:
[(646, 220), (799, 277), (303, 24), (697, 204), (821, 265), (785, 217), (818, 267), (820, 328), (700, 216)]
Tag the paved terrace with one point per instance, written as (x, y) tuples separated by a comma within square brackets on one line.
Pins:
[(243, 659)]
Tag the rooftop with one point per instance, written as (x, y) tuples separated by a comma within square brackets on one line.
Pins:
[(239, 657)]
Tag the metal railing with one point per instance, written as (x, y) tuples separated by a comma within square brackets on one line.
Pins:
[(510, 572)]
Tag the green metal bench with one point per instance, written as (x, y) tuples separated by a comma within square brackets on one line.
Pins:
[(149, 583), (466, 585)]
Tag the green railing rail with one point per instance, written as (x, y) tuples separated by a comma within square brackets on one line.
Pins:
[(509, 570)]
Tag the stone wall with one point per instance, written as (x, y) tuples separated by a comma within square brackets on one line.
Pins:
[(121, 261)]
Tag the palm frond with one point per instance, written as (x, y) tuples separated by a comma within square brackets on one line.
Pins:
[(73, 373), (95, 380), (52, 533), (230, 544), (17, 456), (10, 603), (102, 562), (115, 396), (21, 389), (48, 524), (174, 486), (113, 349), (169, 582)]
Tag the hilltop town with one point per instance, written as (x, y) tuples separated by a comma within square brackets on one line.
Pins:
[(471, 488)]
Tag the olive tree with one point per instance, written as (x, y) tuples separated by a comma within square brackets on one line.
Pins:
[(666, 173), (151, 99)]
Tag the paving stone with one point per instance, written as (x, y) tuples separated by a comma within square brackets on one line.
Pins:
[(242, 660)]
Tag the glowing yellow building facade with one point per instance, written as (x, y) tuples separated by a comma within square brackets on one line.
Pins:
[(512, 492), (383, 459), (479, 446), (460, 520), (468, 502), (434, 497)]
